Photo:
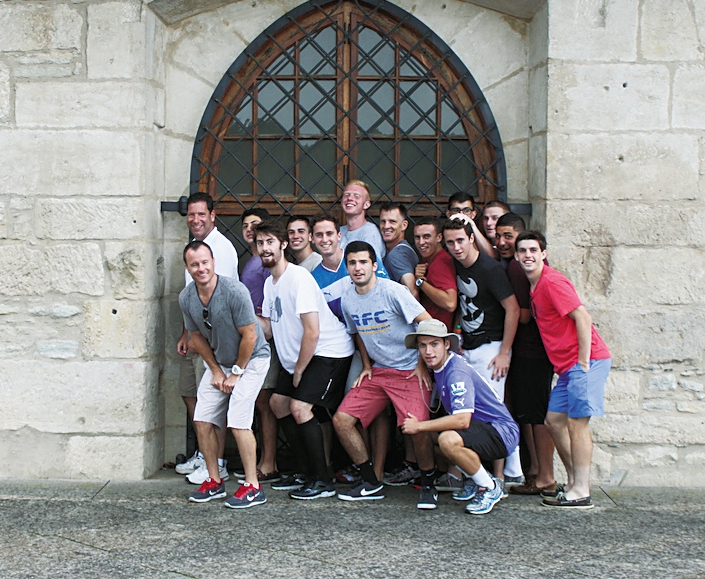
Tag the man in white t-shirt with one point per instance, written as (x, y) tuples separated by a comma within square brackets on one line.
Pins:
[(315, 353), (200, 218)]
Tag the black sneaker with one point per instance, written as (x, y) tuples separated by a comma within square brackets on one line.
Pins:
[(289, 482), (314, 489), (428, 498), (364, 491)]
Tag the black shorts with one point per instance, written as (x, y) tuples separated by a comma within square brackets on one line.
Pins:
[(529, 388), (322, 383), (484, 440)]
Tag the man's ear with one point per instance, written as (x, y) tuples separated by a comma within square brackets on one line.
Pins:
[(366, 205)]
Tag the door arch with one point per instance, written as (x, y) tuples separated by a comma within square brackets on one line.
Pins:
[(346, 89)]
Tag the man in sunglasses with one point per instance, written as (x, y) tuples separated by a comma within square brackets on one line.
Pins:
[(224, 331)]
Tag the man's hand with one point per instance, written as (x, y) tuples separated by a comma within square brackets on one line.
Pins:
[(219, 380), (366, 371), (585, 366), (182, 344), (501, 366), (229, 383), (421, 372), (297, 377), (420, 271), (410, 424)]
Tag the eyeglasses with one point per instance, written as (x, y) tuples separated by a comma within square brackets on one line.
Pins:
[(466, 210), (206, 322)]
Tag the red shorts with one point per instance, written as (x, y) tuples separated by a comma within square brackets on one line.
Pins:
[(370, 398)]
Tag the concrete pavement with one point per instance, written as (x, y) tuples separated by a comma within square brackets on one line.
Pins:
[(148, 529)]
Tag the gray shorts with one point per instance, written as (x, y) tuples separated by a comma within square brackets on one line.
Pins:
[(191, 368), (238, 407)]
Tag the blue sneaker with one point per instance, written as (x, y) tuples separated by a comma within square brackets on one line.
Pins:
[(246, 496), (208, 491), (468, 492), (485, 499)]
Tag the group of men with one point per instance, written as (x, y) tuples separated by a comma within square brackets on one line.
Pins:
[(331, 339)]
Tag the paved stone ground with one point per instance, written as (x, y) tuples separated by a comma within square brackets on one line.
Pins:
[(149, 530)]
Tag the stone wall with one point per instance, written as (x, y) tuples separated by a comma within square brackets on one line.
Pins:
[(81, 110), (625, 218)]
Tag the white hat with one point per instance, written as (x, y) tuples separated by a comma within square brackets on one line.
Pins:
[(434, 328)]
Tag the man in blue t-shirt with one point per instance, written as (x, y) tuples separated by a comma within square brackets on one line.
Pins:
[(478, 425)]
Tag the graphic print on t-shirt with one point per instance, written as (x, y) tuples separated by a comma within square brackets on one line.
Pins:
[(371, 323), (472, 316), (277, 310)]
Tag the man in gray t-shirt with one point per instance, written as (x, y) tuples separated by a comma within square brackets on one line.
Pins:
[(225, 333), (378, 312)]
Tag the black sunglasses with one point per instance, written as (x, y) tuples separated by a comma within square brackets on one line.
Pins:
[(206, 322)]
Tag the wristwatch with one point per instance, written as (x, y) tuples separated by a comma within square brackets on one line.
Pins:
[(419, 282), (238, 371)]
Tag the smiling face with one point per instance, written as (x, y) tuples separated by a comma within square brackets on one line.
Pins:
[(361, 268), (392, 225), (326, 238), (356, 200), (200, 221), (299, 235), (505, 239), (427, 240), (201, 265), (530, 256), (270, 249), (433, 350)]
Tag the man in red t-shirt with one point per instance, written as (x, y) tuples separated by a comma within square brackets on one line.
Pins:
[(579, 357), (435, 275)]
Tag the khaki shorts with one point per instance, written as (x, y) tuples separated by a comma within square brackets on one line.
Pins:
[(238, 407), (191, 368)]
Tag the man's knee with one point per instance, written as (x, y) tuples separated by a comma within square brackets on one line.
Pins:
[(343, 422), (449, 441), (301, 411)]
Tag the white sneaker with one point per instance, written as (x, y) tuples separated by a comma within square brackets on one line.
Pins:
[(191, 464), (198, 476)]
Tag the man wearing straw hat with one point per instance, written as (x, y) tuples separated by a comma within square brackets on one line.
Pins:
[(478, 426)]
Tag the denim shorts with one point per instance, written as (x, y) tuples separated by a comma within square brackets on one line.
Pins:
[(579, 393)]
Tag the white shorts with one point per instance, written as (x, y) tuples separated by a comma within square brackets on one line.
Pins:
[(238, 407), (479, 358)]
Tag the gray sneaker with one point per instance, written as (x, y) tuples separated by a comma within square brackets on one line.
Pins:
[(447, 483), (428, 498), (404, 476), (485, 499)]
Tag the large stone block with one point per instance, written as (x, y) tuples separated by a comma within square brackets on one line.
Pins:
[(207, 46), (5, 94), (648, 166), (635, 280), (659, 428), (60, 268), (537, 99), (82, 104), (595, 31), (116, 40), (70, 397), (517, 160), (594, 97), (34, 26), (71, 163), (688, 87), (661, 465), (90, 219), (186, 100), (622, 392), (492, 45), (47, 452), (113, 457), (668, 31), (665, 335), (122, 329), (512, 120), (136, 269), (177, 168)]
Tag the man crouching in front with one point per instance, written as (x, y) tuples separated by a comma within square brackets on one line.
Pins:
[(478, 426)]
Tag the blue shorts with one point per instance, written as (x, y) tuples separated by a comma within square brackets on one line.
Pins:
[(580, 394)]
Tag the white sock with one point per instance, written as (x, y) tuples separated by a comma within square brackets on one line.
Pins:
[(483, 479), (221, 462), (512, 465)]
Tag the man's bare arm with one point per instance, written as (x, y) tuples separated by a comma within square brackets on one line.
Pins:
[(583, 325), (309, 341)]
